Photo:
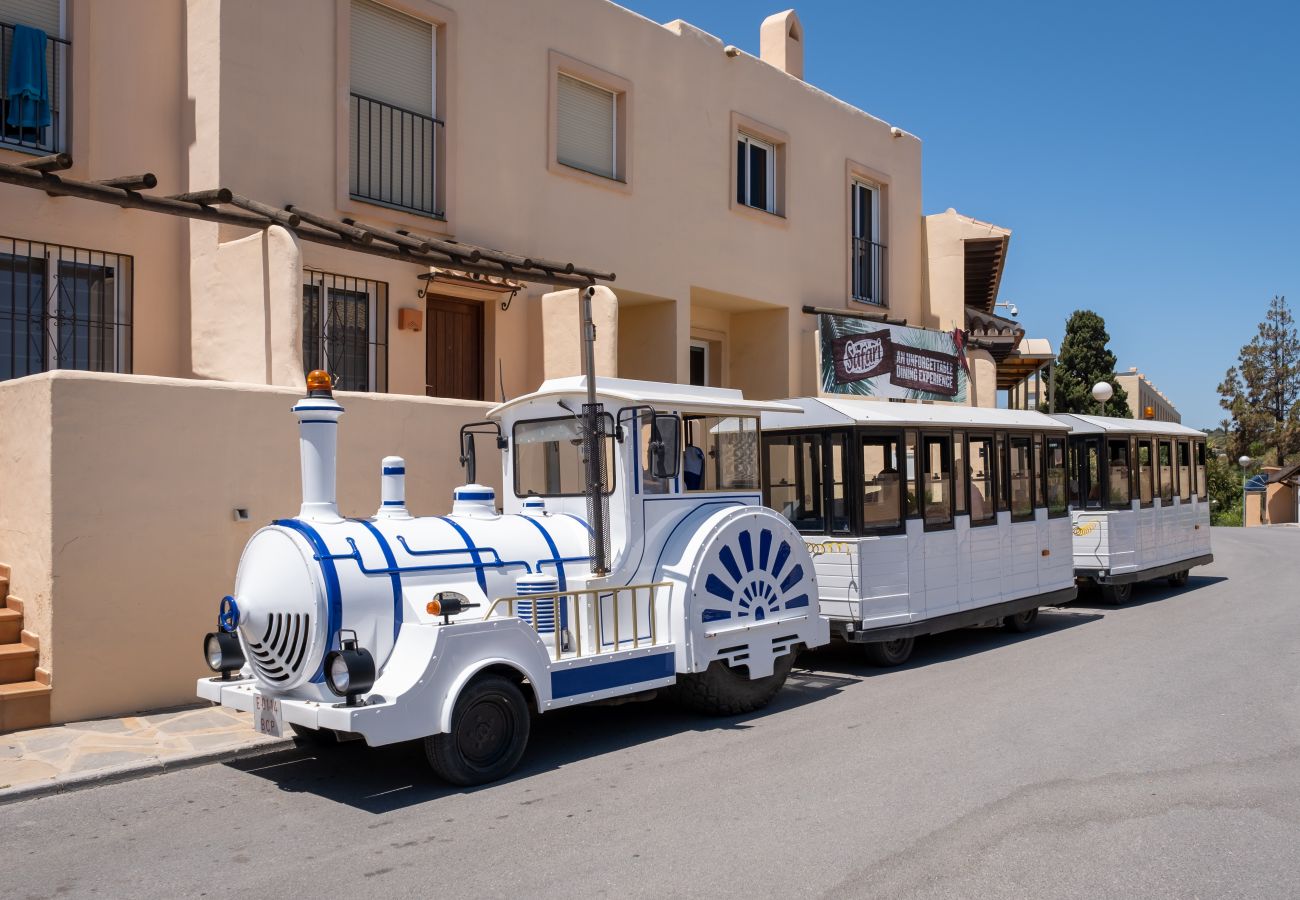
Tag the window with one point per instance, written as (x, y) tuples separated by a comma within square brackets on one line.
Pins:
[(882, 485), (1020, 462), (1057, 501), (936, 480), (1039, 469), (660, 436), (868, 253), (1118, 476), (1004, 475), (983, 486), (1146, 471), (1202, 489), (755, 173), (394, 133), (35, 121), (912, 471), (959, 472), (700, 363), (721, 453), (63, 308), (1165, 470), (586, 127), (345, 330), (548, 457), (1184, 471)]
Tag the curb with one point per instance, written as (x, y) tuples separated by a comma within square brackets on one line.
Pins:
[(132, 771)]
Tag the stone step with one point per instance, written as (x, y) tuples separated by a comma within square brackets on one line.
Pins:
[(24, 704), (11, 626), (14, 603), (4, 586), (17, 663)]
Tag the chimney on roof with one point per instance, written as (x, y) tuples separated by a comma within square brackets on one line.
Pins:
[(780, 42)]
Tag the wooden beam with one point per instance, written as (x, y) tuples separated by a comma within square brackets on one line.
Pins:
[(217, 195), (52, 163), (450, 248), (280, 216), (144, 182), (343, 229)]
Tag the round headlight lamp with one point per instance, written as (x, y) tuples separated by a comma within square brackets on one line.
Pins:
[(349, 670), (223, 654)]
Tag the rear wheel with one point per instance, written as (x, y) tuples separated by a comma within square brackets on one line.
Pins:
[(890, 653), (1021, 621), (489, 731), (721, 690), (1117, 594), (1179, 579)]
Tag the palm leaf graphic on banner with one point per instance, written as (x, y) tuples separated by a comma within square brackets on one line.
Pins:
[(834, 327)]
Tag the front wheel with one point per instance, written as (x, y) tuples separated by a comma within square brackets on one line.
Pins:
[(1117, 594), (890, 653), (489, 731), (1021, 621), (1179, 579), (721, 690)]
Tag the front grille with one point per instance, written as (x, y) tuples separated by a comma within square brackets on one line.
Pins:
[(278, 656)]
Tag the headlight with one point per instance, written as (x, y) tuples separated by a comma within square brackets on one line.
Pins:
[(350, 670), (223, 653)]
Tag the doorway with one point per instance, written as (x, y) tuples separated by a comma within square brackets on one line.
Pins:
[(454, 349)]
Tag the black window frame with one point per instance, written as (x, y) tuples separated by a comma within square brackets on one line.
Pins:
[(1179, 487), (1014, 438), (1149, 442), (1202, 471), (823, 438), (611, 463), (861, 435), (1128, 449), (922, 479), (1064, 442), (990, 500), (1173, 469)]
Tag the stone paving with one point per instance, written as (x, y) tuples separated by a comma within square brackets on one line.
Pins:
[(59, 757)]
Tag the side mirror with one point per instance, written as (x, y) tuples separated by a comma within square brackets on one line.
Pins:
[(468, 456), (665, 445)]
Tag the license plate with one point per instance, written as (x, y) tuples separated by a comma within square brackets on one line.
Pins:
[(268, 718)]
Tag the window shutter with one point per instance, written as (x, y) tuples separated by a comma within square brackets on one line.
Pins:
[(585, 127), (392, 57), (42, 14)]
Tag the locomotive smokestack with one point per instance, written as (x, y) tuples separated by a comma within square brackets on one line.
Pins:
[(318, 434), (392, 489)]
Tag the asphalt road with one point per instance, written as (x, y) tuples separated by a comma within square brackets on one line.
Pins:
[(1148, 751)]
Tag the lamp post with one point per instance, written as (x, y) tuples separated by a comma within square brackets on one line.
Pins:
[(1246, 463)]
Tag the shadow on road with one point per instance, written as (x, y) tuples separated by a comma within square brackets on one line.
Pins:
[(382, 779), (1144, 592)]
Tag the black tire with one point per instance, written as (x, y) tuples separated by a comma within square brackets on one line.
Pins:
[(1179, 579), (489, 731), (1021, 621), (890, 653), (316, 737), (721, 690), (1117, 594)]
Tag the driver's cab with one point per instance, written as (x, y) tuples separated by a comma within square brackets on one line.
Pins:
[(668, 449)]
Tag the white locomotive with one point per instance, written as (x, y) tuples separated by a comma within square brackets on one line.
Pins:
[(661, 570)]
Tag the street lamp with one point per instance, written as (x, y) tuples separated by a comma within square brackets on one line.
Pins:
[(1244, 461), (1101, 392)]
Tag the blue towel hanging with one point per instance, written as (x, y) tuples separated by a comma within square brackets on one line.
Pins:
[(28, 87)]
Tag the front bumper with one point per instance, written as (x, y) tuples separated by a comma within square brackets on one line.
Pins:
[(367, 720)]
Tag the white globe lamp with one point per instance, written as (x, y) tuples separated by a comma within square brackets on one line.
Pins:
[(1244, 461), (1102, 391)]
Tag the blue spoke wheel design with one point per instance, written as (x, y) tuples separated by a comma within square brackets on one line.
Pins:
[(752, 573)]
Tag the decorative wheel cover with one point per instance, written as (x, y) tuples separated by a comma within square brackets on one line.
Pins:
[(751, 570)]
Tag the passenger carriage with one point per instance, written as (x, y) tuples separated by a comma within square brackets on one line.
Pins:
[(923, 518), (1139, 502)]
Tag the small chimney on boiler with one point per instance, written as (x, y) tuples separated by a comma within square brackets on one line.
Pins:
[(780, 42)]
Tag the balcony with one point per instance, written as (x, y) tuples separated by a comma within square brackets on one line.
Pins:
[(394, 156), (868, 263), (35, 125)]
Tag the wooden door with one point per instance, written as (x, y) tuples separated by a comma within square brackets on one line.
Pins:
[(454, 349)]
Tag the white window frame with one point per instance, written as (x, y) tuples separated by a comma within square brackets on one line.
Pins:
[(875, 295), (319, 280), (702, 345), (613, 120), (749, 140)]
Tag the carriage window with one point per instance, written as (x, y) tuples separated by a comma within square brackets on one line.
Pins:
[(1057, 501), (1075, 449), (721, 453), (1004, 478), (1145, 470), (1039, 469), (659, 451), (794, 479), (1184, 471), (959, 472), (838, 507), (1091, 476), (983, 506), (913, 495), (1201, 488), (1119, 481), (1165, 470), (882, 484), (936, 475), (1022, 477), (548, 457)]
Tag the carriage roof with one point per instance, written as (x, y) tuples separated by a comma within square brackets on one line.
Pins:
[(833, 411), (1081, 424), (680, 397)]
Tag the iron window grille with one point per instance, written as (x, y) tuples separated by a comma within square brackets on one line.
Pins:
[(866, 249), (394, 156), (63, 308), (23, 125), (345, 330)]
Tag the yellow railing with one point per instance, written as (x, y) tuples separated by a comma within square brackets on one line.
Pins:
[(586, 607)]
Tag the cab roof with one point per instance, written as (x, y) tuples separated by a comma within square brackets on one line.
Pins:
[(660, 395), (831, 411), (1080, 424)]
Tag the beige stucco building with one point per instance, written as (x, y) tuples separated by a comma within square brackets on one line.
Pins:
[(725, 192), (1145, 400)]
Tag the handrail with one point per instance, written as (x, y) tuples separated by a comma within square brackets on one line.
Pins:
[(559, 600)]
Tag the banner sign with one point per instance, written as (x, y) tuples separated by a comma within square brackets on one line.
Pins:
[(870, 359)]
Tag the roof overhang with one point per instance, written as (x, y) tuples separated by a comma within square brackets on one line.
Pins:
[(998, 335), (984, 260)]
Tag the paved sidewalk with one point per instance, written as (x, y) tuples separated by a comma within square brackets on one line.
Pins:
[(64, 757)]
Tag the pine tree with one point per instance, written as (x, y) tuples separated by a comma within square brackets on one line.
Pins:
[(1261, 393), (1085, 360)]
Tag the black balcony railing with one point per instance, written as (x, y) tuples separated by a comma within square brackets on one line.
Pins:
[(345, 329), (868, 271), (36, 124), (394, 156)]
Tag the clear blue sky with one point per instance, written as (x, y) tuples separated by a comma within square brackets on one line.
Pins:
[(1146, 156)]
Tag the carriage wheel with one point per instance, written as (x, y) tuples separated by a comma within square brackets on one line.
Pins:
[(1117, 594), (489, 731), (1179, 579), (890, 653), (1021, 621), (721, 690)]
